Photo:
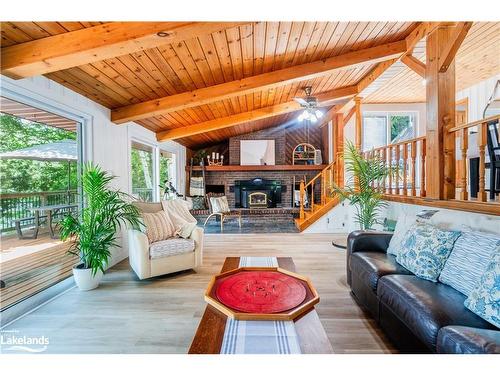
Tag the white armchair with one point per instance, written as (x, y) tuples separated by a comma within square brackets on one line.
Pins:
[(139, 251)]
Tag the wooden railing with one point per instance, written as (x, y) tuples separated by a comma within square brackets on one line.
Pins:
[(317, 191), (15, 206), (407, 158), (472, 140)]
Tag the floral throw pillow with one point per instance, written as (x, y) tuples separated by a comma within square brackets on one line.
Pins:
[(425, 249), (484, 299)]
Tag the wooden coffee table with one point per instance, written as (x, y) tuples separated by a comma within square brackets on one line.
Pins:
[(210, 332)]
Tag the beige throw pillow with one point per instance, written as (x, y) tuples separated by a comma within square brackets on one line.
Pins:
[(219, 204), (159, 226)]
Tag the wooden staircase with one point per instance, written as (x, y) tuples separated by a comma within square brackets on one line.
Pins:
[(316, 197)]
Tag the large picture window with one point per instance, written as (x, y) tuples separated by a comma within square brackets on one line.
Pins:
[(383, 128)]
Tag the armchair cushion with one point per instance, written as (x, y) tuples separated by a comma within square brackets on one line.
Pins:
[(219, 204), (170, 247), (159, 226)]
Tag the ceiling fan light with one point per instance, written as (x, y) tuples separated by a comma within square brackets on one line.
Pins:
[(301, 117), (318, 113), (313, 119), (306, 115)]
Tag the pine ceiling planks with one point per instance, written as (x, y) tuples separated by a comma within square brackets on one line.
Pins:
[(245, 51)]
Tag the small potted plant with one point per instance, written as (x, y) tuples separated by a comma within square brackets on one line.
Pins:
[(94, 230)]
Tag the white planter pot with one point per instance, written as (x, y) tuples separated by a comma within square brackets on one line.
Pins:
[(84, 279)]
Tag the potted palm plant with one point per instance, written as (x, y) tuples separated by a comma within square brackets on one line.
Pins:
[(365, 175), (94, 230)]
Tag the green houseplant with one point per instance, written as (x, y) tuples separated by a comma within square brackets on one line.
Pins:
[(364, 196), (94, 230)]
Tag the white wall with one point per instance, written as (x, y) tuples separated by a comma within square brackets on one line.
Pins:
[(341, 218), (105, 143)]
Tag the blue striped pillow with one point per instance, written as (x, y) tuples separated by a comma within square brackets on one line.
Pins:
[(468, 260)]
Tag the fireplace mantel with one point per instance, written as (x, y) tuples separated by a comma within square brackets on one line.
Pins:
[(247, 168)]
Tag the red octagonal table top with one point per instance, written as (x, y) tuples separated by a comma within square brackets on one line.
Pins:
[(260, 292)]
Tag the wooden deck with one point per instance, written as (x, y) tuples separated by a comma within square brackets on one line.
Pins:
[(29, 266)]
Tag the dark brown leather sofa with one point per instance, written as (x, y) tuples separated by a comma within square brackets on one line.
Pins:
[(419, 316)]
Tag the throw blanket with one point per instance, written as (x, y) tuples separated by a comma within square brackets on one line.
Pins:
[(196, 186), (260, 336), (180, 216)]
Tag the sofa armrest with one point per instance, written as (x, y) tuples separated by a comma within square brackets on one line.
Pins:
[(468, 340), (197, 236), (362, 240), (138, 250)]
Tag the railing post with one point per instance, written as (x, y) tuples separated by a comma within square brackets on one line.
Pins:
[(323, 187), (301, 200), (389, 149), (405, 170), (413, 171), (423, 153), (481, 142), (464, 145), (397, 157)]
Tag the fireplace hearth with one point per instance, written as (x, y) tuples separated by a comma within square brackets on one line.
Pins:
[(257, 193)]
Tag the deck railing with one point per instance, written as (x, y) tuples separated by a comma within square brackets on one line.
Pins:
[(14, 206), (143, 194), (407, 158)]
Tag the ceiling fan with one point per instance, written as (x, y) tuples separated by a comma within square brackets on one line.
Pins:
[(310, 104)]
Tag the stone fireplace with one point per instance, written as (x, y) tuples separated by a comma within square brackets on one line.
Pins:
[(257, 193)]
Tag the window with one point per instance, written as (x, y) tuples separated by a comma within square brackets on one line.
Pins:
[(383, 128), (167, 172), (142, 170)]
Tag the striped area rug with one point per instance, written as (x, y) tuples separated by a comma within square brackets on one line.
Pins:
[(256, 336)]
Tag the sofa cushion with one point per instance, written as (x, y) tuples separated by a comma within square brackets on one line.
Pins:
[(404, 223), (467, 340), (370, 267), (425, 307), (468, 260), (425, 249), (484, 299), (170, 247)]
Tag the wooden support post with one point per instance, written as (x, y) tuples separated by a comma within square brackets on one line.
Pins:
[(440, 109), (358, 135), (389, 150)]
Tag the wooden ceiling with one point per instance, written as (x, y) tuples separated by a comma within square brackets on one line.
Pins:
[(477, 59), (229, 53)]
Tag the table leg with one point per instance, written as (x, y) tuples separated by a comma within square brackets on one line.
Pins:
[(37, 224), (49, 221)]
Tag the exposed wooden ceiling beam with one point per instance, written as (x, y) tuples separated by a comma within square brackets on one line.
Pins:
[(453, 45), (349, 115), (420, 32), (97, 43), (414, 64), (259, 82), (257, 114), (364, 82)]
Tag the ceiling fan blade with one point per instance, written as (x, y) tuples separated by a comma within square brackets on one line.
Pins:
[(332, 102), (301, 101)]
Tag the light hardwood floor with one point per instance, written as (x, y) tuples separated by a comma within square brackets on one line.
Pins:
[(125, 315)]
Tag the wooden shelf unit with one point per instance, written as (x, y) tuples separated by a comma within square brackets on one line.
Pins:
[(243, 168)]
